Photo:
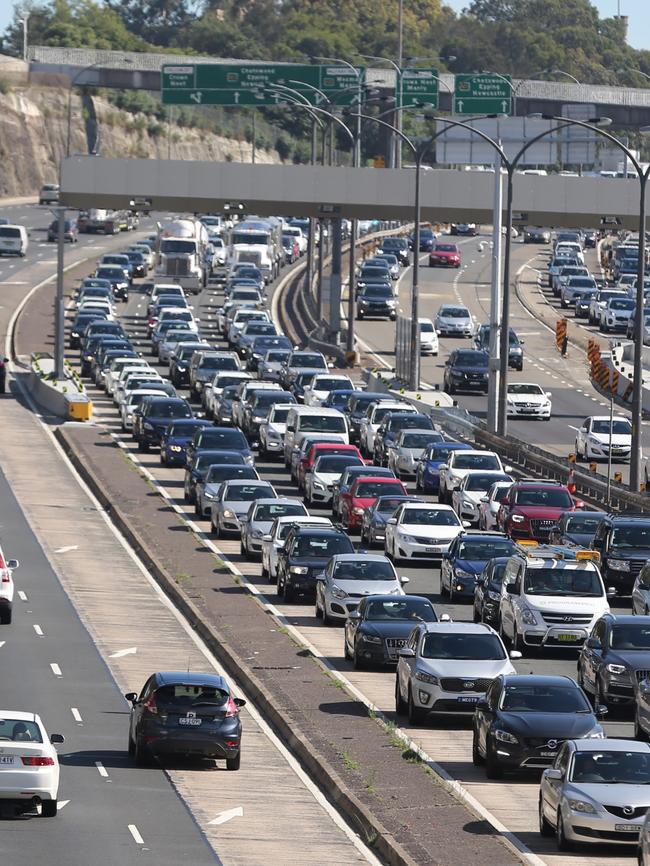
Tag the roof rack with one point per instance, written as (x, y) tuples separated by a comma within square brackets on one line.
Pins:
[(532, 549)]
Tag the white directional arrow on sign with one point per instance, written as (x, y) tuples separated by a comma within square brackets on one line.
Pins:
[(222, 817), (132, 650), (459, 105), (196, 97), (236, 95)]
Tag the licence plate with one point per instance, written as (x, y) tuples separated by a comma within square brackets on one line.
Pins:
[(468, 699), (568, 638), (628, 828), (430, 549), (194, 723), (548, 754), (6, 759)]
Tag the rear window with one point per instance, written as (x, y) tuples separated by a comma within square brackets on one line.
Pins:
[(9, 232), (17, 730), (372, 489), (190, 696)]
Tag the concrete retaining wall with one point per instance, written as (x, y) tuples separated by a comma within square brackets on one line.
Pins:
[(62, 398)]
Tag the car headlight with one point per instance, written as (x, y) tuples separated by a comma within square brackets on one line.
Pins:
[(619, 564), (427, 678), (209, 495), (505, 737), (518, 518), (596, 733), (616, 669), (358, 511), (371, 638), (175, 448), (318, 485), (147, 425), (250, 460), (581, 806), (229, 514), (494, 596), (337, 592), (408, 538), (528, 617), (298, 569), (464, 574)]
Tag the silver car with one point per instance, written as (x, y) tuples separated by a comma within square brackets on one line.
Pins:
[(348, 578), (272, 364), (232, 504), (405, 452), (596, 791), (272, 430), (448, 667), (258, 521), (455, 320), (207, 489), (273, 543)]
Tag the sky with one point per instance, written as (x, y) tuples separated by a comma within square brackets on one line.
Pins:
[(636, 10)]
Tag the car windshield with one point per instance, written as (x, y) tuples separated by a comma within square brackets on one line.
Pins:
[(484, 550), (19, 731), (305, 359), (171, 409), (543, 699), (524, 388), (224, 381), (462, 646), (430, 517), (413, 422), (480, 482), (621, 427), (268, 398), (225, 362), (246, 492), (470, 358), (373, 271), (633, 536), (567, 581), (210, 456), (184, 429), (372, 489), (580, 523), (219, 472), (550, 497), (416, 609), (621, 304), (360, 569), (454, 313), (259, 328), (388, 504), (276, 357), (278, 416), (416, 440), (337, 462), (227, 439), (610, 768), (445, 248), (381, 411), (323, 384), (378, 292), (321, 545), (427, 327), (270, 510), (229, 392), (631, 636), (476, 461), (322, 424)]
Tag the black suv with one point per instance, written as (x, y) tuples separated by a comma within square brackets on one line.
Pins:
[(515, 346), (466, 370), (377, 300), (615, 658), (398, 247), (305, 554), (183, 713), (623, 541), (152, 417)]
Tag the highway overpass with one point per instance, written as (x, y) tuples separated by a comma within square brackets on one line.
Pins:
[(366, 193)]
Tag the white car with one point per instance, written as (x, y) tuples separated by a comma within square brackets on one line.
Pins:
[(428, 337), (274, 541), (115, 379), (273, 429), (29, 764), (459, 463), (213, 390), (594, 438), (528, 400), (466, 499), (133, 382), (327, 470), (405, 451), (349, 577), (7, 567), (490, 504), (421, 530), (320, 386), (371, 421), (112, 375)]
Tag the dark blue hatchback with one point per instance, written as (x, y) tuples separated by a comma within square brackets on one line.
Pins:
[(174, 442)]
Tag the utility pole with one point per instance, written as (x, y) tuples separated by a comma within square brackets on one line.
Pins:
[(495, 300), (59, 307)]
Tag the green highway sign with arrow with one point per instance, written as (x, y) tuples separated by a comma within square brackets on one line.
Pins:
[(418, 85), (255, 83), (483, 94)]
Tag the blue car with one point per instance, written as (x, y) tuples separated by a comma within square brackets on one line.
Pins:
[(338, 399), (174, 442), (427, 472), (466, 558)]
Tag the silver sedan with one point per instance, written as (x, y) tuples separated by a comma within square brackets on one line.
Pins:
[(349, 577), (258, 521), (405, 452), (232, 504)]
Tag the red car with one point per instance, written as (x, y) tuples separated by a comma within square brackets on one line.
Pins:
[(363, 494), (317, 450), (444, 256), (533, 507)]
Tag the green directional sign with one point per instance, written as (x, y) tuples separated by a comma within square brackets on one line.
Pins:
[(258, 83), (417, 85), (483, 94)]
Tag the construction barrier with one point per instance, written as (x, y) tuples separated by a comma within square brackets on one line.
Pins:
[(618, 477), (615, 379), (561, 339)]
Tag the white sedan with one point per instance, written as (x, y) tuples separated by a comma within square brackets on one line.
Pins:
[(528, 400), (597, 436), (466, 499), (7, 567), (320, 386), (428, 337), (29, 764), (421, 531), (491, 503), (327, 470)]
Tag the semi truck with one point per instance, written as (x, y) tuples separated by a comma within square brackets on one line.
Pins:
[(182, 248), (259, 242)]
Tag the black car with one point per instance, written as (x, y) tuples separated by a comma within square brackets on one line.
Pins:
[(261, 345), (576, 527), (197, 468), (358, 402), (79, 324), (537, 235), (487, 592), (614, 658), (515, 346), (380, 626), (179, 362), (70, 231), (524, 719), (305, 554), (398, 247), (393, 423), (138, 263), (154, 415), (466, 370), (223, 438), (95, 328), (258, 406), (93, 346), (623, 541), (176, 438), (377, 301), (300, 381), (183, 713)]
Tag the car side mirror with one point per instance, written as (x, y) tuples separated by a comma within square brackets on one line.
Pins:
[(57, 739), (445, 618), (511, 588), (593, 643), (12, 563), (515, 654), (611, 592), (321, 576), (549, 394), (443, 466), (466, 524), (483, 706), (392, 521), (239, 702), (266, 538), (354, 615), (553, 775), (404, 580), (601, 711), (508, 468), (131, 696), (485, 499), (406, 652)]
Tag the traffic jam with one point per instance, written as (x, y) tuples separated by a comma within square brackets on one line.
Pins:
[(337, 498)]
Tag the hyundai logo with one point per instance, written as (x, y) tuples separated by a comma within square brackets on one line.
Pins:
[(567, 619), (628, 810), (552, 744), (468, 684)]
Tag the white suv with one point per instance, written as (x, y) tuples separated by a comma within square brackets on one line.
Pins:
[(459, 463)]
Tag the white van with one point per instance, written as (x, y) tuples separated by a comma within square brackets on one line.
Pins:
[(13, 240), (302, 420)]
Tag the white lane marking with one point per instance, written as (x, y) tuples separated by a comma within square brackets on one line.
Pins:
[(101, 769), (62, 803), (38, 630), (67, 549), (56, 670), (76, 715), (21, 595), (15, 283), (228, 815), (2, 643), (133, 830), (132, 650)]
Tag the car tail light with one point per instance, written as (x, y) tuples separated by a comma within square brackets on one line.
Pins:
[(6, 575), (37, 761), (231, 709), (150, 704)]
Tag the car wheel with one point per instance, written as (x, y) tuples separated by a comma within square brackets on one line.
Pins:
[(400, 706), (289, 595), (131, 746), (49, 808), (563, 843), (475, 615), (6, 615), (639, 733), (318, 610), (415, 714), (142, 754), (545, 828), (517, 642), (477, 758), (143, 446), (598, 699), (216, 531), (493, 769), (234, 763), (358, 662), (327, 619)]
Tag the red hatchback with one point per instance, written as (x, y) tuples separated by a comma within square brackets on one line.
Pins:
[(445, 256), (363, 494), (532, 508), (317, 450)]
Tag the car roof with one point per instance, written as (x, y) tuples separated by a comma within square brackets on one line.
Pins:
[(483, 535), (305, 519), (540, 680), (189, 678), (246, 482), (360, 479), (437, 505), (610, 745), (417, 430), (464, 627), (366, 557), (278, 500), (322, 530), (19, 715), (625, 618)]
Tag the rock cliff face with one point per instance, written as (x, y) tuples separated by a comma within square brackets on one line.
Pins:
[(34, 135)]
